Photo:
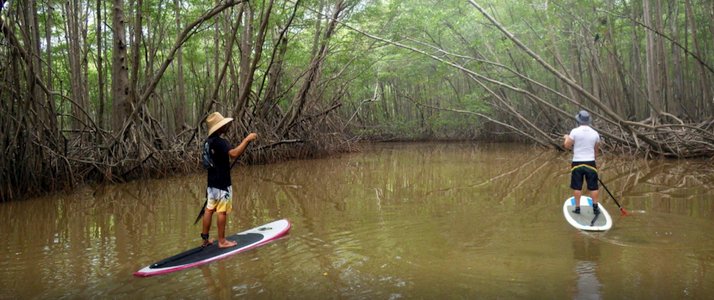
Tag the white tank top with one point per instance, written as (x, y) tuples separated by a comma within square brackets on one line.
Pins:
[(584, 140)]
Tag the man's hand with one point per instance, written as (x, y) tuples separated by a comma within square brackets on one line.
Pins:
[(252, 137), (567, 142), (238, 150)]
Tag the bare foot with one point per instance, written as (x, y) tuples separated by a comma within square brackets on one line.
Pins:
[(226, 244), (207, 243)]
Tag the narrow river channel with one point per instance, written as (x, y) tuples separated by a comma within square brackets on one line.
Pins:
[(417, 220)]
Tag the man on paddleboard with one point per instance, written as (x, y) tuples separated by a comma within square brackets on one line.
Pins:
[(584, 141), (219, 191)]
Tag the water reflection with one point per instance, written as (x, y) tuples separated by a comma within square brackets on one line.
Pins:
[(216, 285), (586, 253)]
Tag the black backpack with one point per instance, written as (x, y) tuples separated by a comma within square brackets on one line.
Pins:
[(206, 154)]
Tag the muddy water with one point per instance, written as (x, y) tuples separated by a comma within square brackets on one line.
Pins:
[(394, 221)]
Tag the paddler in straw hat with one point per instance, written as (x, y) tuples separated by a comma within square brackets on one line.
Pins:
[(219, 192)]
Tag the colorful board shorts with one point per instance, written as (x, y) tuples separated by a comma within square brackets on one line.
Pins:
[(219, 200)]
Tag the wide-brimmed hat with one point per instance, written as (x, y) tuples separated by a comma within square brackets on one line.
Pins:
[(215, 121), (583, 117)]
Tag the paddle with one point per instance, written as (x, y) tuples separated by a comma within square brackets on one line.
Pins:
[(622, 209)]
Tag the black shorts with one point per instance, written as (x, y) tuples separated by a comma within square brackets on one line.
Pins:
[(586, 170)]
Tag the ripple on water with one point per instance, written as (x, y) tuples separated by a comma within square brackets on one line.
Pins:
[(642, 229)]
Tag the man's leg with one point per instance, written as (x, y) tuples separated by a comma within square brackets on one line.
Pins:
[(222, 242), (207, 218), (592, 179), (594, 194), (576, 183), (577, 194)]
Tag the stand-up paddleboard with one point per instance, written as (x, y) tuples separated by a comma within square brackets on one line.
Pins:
[(201, 255), (586, 220)]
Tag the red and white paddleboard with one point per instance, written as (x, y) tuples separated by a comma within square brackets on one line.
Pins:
[(202, 255)]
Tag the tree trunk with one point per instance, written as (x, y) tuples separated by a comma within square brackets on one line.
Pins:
[(312, 73), (639, 105), (137, 37), (245, 55), (37, 64), (247, 75), (676, 84), (661, 61), (153, 81), (122, 106), (73, 53), (654, 91), (216, 49), (180, 100), (228, 60), (624, 101), (100, 65), (263, 108), (48, 53), (318, 30), (274, 74), (702, 103), (34, 73)]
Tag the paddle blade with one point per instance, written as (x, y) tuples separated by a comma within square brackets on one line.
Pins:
[(200, 214), (623, 212)]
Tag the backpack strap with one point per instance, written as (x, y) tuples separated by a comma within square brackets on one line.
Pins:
[(206, 153)]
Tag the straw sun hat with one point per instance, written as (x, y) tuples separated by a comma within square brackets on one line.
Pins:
[(215, 121)]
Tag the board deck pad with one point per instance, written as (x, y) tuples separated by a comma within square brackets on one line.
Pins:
[(586, 219), (201, 255)]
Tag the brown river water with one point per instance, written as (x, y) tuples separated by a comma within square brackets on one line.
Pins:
[(420, 220)]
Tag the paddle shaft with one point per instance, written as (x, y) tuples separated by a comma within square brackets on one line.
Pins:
[(608, 192), (592, 223)]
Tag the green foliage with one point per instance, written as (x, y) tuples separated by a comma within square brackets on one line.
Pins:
[(579, 31)]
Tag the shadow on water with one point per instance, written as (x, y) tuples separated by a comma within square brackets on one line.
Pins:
[(426, 220)]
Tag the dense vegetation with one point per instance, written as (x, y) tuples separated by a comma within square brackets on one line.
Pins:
[(113, 90)]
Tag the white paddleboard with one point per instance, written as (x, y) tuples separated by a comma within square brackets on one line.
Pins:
[(246, 240), (586, 220)]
